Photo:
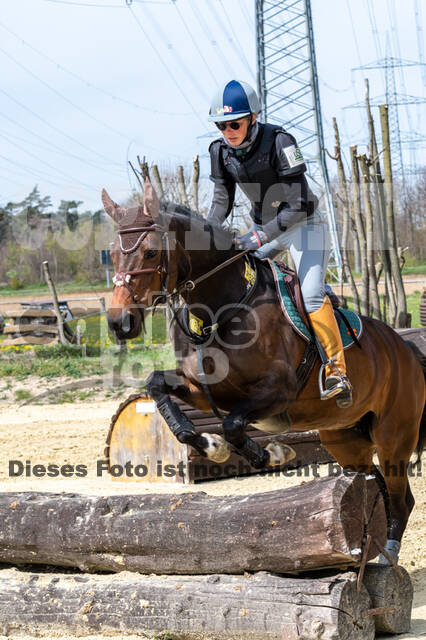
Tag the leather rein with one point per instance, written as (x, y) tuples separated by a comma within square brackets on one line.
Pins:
[(123, 278)]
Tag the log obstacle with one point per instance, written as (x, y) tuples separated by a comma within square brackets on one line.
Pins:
[(317, 525), (139, 434), (197, 567), (391, 593), (258, 606)]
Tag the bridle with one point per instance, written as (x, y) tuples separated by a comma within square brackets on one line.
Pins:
[(123, 278)]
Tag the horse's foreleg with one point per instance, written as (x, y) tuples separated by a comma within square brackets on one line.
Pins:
[(234, 426), (160, 385)]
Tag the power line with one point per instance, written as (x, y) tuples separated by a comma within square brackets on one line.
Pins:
[(31, 170), (172, 76), (51, 166), (246, 15), (395, 36), (87, 82), (57, 129), (54, 146), (176, 56), (102, 6), (194, 41), (208, 33), (9, 179), (374, 29), (237, 40), (224, 29), (61, 95)]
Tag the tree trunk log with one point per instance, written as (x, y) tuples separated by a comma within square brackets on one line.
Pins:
[(182, 188), (250, 607), (391, 590), (343, 186), (360, 227), (313, 526), (401, 305), (158, 182), (368, 211), (195, 182), (376, 173)]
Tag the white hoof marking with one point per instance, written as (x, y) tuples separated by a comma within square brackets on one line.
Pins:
[(217, 449), (279, 453)]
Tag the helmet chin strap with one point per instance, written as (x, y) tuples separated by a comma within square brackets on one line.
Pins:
[(249, 129)]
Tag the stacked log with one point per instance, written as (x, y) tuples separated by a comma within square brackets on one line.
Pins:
[(221, 607), (314, 526), (196, 567)]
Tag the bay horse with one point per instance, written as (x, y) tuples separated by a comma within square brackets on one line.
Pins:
[(238, 354)]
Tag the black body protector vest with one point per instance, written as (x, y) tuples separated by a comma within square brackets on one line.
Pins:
[(262, 171)]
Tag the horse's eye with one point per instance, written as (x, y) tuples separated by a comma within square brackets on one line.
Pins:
[(150, 253)]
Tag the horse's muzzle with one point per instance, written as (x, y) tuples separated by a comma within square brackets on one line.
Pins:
[(126, 325)]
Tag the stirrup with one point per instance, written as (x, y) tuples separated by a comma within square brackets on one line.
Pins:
[(341, 387)]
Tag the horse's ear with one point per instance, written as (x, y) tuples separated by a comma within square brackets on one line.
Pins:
[(151, 203), (112, 208)]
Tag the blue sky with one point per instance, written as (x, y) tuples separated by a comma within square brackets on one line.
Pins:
[(84, 88)]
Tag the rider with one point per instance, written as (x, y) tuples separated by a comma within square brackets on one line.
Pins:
[(266, 163)]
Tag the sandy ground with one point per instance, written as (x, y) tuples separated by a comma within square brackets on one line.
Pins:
[(75, 434)]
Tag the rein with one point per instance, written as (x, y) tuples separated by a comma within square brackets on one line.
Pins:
[(123, 278)]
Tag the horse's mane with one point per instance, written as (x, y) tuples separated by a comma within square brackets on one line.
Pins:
[(179, 213)]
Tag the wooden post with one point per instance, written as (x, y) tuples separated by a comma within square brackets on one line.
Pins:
[(144, 168), (368, 209), (401, 304), (376, 173), (158, 183), (195, 181), (346, 217), (359, 221), (181, 185), (58, 313)]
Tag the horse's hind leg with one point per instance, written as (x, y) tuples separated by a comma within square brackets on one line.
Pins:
[(160, 385), (394, 459), (353, 449)]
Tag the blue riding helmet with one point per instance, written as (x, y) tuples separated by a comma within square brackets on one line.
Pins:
[(234, 100)]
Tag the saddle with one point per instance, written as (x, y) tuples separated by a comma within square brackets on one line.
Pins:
[(292, 284)]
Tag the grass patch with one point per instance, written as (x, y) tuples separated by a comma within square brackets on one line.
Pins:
[(42, 289), (413, 306), (418, 269), (98, 355), (22, 394)]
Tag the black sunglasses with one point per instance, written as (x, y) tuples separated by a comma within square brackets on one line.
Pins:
[(223, 125)]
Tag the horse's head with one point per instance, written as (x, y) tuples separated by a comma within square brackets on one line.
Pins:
[(140, 259)]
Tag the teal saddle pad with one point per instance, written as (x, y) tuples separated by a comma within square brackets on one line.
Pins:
[(294, 318)]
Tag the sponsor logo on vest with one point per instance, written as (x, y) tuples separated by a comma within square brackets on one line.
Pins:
[(294, 156)]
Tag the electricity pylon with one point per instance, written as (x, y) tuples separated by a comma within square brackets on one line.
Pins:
[(289, 91)]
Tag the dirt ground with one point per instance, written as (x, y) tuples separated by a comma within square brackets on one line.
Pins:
[(75, 434)]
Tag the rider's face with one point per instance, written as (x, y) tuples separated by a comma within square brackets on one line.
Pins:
[(235, 137)]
